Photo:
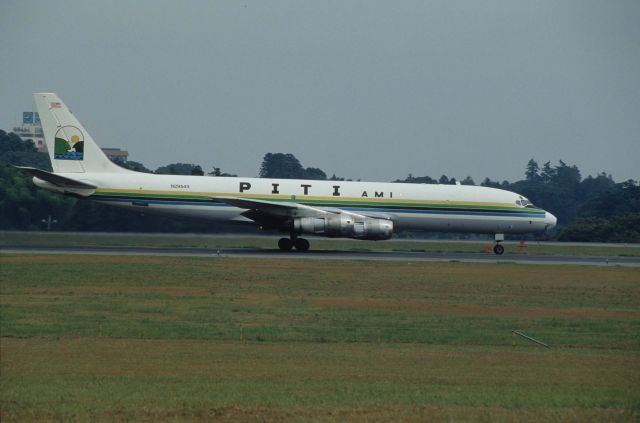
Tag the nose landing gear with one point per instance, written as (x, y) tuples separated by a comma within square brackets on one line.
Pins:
[(498, 249)]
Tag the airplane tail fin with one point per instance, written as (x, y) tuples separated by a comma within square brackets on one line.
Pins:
[(71, 148)]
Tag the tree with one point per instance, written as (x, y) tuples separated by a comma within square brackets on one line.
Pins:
[(15, 151), (621, 228), (489, 183), (178, 169), (468, 181), (592, 187), (622, 198), (287, 166), (443, 179), (280, 165), (131, 165), (533, 171), (547, 172), (315, 174), (566, 176), (218, 172), (197, 170), (410, 179)]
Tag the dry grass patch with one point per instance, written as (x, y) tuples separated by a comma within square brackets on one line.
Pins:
[(320, 362), (175, 291), (477, 310)]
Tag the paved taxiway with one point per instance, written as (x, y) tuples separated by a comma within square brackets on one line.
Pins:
[(333, 255)]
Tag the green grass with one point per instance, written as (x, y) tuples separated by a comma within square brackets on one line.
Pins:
[(61, 239), (195, 339)]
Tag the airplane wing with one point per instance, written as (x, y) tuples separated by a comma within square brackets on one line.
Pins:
[(272, 208), (309, 219), (274, 213)]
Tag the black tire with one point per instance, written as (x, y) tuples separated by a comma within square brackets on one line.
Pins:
[(498, 249), (301, 244), (285, 244)]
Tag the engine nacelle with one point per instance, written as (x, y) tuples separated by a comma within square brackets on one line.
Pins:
[(345, 226)]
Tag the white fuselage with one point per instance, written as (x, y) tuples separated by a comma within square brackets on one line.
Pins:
[(421, 207)]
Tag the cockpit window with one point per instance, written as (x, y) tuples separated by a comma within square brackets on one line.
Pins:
[(525, 203)]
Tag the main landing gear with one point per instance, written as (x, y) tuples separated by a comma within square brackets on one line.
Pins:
[(286, 244), (498, 248)]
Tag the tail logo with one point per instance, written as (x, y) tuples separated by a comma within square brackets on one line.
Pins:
[(69, 144)]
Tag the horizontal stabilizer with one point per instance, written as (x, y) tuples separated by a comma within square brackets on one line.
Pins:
[(57, 180)]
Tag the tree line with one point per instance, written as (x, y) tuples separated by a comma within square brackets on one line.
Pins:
[(591, 209), (595, 208)]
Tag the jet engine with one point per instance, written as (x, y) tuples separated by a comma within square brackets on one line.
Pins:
[(344, 226)]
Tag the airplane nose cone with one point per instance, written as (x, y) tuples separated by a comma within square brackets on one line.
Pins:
[(550, 220)]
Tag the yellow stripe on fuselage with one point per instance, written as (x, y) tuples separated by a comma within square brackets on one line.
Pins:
[(301, 198)]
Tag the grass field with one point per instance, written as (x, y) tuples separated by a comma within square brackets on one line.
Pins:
[(194, 339), (62, 239)]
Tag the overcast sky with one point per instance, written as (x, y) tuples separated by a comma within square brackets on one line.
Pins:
[(369, 89)]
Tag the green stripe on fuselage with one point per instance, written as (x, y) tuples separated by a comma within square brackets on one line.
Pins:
[(372, 203)]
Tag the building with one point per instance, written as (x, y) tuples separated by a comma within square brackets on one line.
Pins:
[(31, 129), (115, 154)]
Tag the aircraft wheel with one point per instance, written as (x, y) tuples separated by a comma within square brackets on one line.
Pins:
[(301, 244), (498, 249), (285, 244)]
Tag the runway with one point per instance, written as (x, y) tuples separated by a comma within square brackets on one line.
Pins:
[(334, 255)]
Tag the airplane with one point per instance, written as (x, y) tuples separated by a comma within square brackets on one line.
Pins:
[(336, 209)]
